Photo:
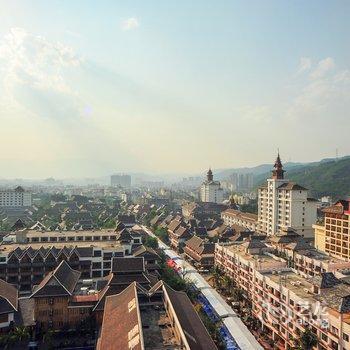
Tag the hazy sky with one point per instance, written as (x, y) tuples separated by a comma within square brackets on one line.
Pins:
[(88, 88)]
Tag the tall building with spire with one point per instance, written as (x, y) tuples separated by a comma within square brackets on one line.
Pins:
[(285, 204), (211, 190)]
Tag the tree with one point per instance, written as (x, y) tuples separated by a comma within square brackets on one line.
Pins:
[(21, 333), (308, 340), (109, 224), (48, 339), (217, 277), (151, 242), (162, 234), (227, 283)]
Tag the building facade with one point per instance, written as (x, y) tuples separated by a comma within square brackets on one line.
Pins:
[(121, 180), (284, 302), (211, 190), (333, 235), (283, 203), (17, 197), (26, 261), (235, 217)]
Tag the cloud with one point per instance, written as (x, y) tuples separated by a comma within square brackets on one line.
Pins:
[(130, 23), (255, 114), (324, 95), (305, 64), (323, 67), (34, 74)]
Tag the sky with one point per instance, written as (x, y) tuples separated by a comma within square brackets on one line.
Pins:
[(90, 88)]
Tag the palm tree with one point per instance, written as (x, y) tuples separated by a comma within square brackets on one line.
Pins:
[(217, 275), (307, 340), (21, 333), (47, 338), (227, 283)]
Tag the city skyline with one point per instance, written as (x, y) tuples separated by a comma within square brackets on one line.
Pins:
[(92, 89)]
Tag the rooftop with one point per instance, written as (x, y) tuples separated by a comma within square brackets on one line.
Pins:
[(260, 261)]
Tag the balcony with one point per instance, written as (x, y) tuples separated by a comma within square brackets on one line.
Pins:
[(25, 264), (14, 265)]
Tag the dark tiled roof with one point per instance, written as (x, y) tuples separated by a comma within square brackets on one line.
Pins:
[(345, 304), (67, 276), (8, 297), (146, 251), (121, 325), (300, 244), (252, 243), (328, 280), (84, 251), (128, 264), (194, 330), (61, 281), (292, 186)]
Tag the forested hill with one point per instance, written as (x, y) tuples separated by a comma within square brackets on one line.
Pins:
[(325, 178)]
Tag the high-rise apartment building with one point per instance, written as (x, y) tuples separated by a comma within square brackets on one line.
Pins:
[(17, 197), (241, 182), (284, 303), (333, 235), (283, 203), (121, 180), (211, 190)]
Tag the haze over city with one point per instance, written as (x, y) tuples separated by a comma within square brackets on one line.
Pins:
[(89, 88)]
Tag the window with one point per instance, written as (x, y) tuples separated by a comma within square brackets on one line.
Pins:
[(346, 337)]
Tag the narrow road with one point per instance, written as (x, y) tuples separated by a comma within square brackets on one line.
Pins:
[(239, 331)]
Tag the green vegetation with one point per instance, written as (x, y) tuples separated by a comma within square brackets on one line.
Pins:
[(109, 224), (151, 242), (252, 207), (324, 178), (16, 335), (150, 215), (162, 234), (4, 227), (307, 340), (212, 328)]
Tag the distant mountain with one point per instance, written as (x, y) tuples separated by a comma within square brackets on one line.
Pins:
[(327, 177), (261, 169)]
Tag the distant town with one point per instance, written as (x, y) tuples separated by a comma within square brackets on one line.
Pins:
[(204, 264)]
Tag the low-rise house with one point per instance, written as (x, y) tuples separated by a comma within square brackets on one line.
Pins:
[(8, 304), (200, 251), (247, 220), (151, 258), (127, 220), (179, 236), (52, 297), (131, 321)]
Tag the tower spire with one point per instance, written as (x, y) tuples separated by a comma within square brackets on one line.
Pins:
[(209, 175), (278, 172)]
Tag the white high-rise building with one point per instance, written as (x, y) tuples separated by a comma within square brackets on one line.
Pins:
[(15, 198), (121, 180), (211, 190), (283, 203)]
